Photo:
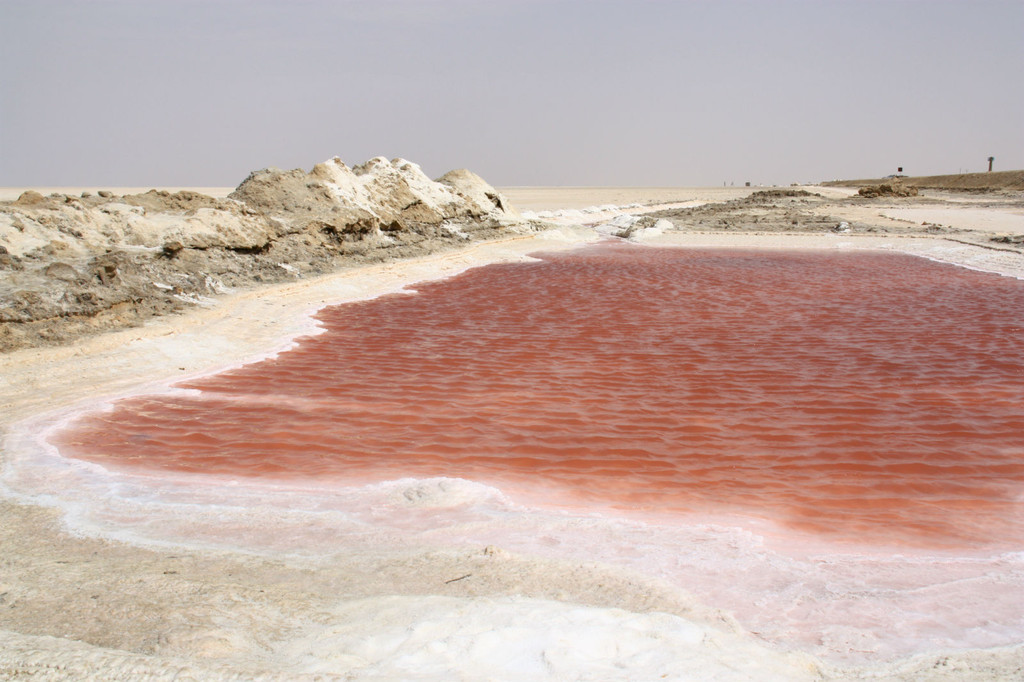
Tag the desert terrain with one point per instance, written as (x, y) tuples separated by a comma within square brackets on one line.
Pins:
[(109, 294)]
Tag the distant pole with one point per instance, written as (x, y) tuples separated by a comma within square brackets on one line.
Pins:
[(990, 160)]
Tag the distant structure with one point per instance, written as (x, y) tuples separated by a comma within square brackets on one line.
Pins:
[(990, 160)]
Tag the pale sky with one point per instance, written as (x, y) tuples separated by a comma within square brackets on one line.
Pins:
[(524, 92)]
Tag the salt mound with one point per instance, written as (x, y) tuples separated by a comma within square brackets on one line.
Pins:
[(377, 196)]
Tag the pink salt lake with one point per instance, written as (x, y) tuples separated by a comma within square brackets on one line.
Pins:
[(864, 397)]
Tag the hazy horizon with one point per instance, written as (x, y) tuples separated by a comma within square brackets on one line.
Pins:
[(531, 92)]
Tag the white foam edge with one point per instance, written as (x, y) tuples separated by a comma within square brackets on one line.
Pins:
[(967, 266), (932, 248)]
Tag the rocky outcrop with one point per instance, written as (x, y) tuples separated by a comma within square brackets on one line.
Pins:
[(888, 189), (72, 264)]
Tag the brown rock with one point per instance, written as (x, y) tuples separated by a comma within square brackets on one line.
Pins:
[(171, 249), (30, 198), (893, 189)]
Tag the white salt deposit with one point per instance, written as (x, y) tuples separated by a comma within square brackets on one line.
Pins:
[(528, 639), (617, 224), (595, 215)]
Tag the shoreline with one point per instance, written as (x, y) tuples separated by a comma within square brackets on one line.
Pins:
[(247, 326), (242, 325)]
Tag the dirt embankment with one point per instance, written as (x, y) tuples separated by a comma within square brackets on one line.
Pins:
[(73, 265), (798, 211), (971, 182)]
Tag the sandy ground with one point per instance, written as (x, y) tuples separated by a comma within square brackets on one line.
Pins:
[(995, 213), (970, 218), (80, 607)]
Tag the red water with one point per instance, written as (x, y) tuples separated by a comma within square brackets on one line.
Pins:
[(870, 396)]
